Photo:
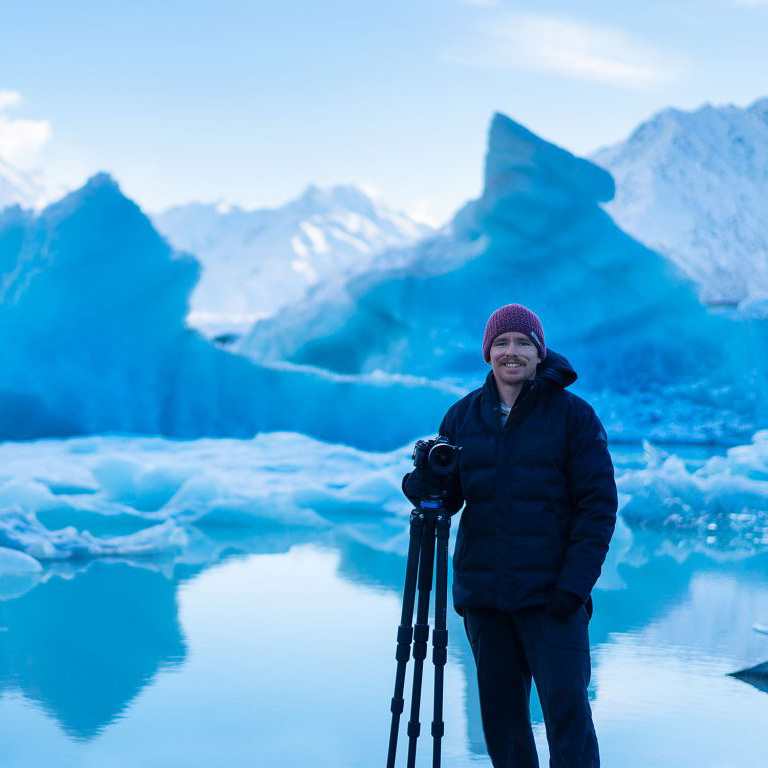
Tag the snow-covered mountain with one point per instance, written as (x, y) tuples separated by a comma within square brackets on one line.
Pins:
[(24, 188), (255, 262), (694, 186)]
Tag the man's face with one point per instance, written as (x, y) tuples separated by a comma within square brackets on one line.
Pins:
[(514, 358)]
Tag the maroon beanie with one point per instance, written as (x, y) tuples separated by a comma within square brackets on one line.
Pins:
[(513, 317)]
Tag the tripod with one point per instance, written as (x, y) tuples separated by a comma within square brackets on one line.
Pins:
[(429, 524)]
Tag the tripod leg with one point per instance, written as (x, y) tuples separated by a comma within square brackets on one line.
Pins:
[(440, 633), (421, 634), (405, 630)]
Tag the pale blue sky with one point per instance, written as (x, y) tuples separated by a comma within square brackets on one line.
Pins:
[(251, 101)]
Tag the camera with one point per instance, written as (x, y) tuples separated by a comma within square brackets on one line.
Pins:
[(437, 455)]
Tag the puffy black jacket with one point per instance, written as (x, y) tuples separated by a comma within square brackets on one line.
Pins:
[(540, 493)]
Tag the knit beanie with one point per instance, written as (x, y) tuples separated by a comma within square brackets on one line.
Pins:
[(513, 317)]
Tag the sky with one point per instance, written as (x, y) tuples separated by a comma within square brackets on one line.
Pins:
[(250, 101)]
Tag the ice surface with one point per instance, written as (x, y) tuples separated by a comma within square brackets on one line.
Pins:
[(92, 308), (154, 500), (657, 362), (159, 502), (725, 500)]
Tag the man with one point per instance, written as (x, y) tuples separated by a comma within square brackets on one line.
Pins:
[(537, 480)]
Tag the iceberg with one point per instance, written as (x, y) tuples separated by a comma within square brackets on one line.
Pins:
[(655, 361), (93, 304), (92, 308)]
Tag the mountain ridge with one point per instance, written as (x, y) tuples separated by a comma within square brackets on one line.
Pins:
[(693, 186)]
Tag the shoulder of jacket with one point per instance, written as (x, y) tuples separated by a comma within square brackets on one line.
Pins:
[(582, 419), (573, 406), (461, 406)]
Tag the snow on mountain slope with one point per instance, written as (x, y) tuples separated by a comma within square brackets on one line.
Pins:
[(694, 186), (255, 262), (22, 188)]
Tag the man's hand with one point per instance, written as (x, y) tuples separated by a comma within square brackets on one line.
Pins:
[(420, 484), (563, 605)]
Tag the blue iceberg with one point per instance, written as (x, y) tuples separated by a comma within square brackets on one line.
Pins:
[(92, 308), (656, 362)]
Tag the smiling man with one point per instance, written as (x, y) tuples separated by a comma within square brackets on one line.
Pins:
[(537, 481)]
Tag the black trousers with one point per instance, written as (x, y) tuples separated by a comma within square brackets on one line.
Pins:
[(509, 650)]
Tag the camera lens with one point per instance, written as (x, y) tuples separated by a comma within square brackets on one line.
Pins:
[(443, 458)]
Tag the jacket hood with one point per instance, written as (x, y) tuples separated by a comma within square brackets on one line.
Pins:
[(557, 369)]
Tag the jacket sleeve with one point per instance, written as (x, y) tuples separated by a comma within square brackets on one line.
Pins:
[(592, 490), (455, 499)]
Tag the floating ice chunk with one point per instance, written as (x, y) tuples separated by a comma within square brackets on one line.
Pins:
[(22, 530), (144, 489), (18, 573), (726, 498)]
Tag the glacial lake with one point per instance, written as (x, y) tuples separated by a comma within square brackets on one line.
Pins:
[(285, 657), (277, 647)]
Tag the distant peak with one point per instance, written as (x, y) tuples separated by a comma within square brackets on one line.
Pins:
[(100, 189), (100, 180), (345, 196)]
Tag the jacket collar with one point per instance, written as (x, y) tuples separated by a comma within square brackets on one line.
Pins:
[(554, 371)]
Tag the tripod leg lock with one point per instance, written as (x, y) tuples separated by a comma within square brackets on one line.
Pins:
[(439, 646), (438, 729), (397, 706), (420, 637), (404, 637), (414, 729)]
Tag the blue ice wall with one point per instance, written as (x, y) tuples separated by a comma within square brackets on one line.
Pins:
[(92, 307)]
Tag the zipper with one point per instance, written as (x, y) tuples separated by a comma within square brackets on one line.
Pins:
[(517, 413)]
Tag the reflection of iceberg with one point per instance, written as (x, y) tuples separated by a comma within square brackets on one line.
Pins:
[(757, 676), (18, 573), (85, 647)]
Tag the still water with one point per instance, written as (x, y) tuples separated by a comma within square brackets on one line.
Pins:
[(283, 655)]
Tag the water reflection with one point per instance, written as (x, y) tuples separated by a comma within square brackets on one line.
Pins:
[(757, 676), (85, 641), (85, 646), (667, 600)]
